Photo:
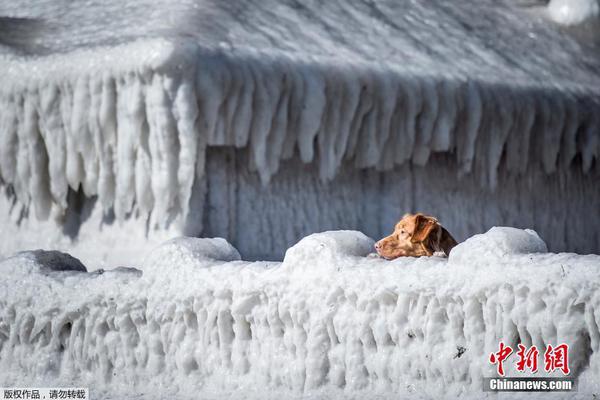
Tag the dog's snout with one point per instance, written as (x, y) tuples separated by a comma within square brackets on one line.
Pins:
[(377, 245)]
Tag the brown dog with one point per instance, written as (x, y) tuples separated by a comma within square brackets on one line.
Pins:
[(415, 235)]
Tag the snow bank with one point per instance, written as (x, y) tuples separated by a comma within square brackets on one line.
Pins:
[(423, 327)]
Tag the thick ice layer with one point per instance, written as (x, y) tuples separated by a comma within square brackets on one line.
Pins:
[(326, 321), (126, 109)]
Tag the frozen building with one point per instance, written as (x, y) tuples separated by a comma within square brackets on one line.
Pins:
[(126, 123), (264, 121)]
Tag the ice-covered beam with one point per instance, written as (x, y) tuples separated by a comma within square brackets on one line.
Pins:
[(325, 320)]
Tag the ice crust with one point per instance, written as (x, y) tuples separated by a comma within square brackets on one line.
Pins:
[(130, 121), (360, 327)]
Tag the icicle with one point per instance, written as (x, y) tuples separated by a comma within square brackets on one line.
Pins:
[(589, 146), (9, 140), (210, 95), (349, 105), (387, 95), (294, 114), (326, 137), (74, 165), (472, 115), (499, 130), (426, 121), (186, 115), (413, 101), (143, 159), (22, 159), (164, 146), (552, 133), (365, 104), (446, 118), (517, 146), (128, 123), (312, 112), (242, 115), (568, 146), (108, 131), (83, 144), (279, 126), (53, 133), (396, 129), (266, 95), (37, 159)]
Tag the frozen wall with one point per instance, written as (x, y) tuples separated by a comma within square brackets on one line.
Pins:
[(327, 322), (128, 110), (562, 207)]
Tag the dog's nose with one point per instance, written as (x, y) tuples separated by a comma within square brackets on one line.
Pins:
[(377, 246)]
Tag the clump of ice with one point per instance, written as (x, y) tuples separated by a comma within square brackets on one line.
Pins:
[(328, 249), (41, 261), (189, 252), (573, 12), (498, 242)]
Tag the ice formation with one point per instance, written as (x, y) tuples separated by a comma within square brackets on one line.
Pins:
[(137, 134), (574, 12), (326, 320)]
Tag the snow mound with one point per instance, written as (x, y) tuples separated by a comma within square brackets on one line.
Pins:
[(41, 261), (573, 12), (195, 251), (328, 249), (496, 243)]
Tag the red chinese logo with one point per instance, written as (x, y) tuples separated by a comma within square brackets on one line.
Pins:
[(527, 358), (557, 358), (500, 356), (554, 358)]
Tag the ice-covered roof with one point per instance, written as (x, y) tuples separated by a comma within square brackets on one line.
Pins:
[(503, 41)]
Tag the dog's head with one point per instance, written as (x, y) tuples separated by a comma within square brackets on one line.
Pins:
[(414, 236)]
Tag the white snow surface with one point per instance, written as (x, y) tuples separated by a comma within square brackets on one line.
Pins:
[(327, 322)]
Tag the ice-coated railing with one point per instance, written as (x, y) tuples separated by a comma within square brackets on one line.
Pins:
[(328, 320)]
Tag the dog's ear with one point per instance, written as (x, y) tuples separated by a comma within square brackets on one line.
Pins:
[(424, 225), (447, 242)]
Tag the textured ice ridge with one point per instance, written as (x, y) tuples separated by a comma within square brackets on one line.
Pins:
[(328, 318), (133, 125)]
